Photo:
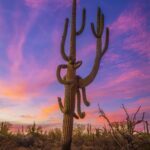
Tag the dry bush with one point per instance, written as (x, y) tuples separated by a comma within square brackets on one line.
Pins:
[(119, 136)]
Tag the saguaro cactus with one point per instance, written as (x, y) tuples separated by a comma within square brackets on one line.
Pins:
[(73, 83)]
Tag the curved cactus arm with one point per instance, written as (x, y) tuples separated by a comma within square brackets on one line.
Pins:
[(97, 35), (84, 97), (94, 31), (83, 22), (87, 80), (63, 54), (100, 25), (77, 64), (81, 114), (61, 105), (75, 116), (99, 54), (58, 74), (106, 42)]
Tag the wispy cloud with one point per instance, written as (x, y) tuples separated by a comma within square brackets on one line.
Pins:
[(53, 4), (132, 26), (44, 113), (35, 4), (125, 85), (16, 45)]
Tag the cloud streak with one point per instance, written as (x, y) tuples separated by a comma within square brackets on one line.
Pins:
[(132, 24)]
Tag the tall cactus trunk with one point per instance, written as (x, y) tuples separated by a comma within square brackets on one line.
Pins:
[(67, 131), (72, 82), (69, 105)]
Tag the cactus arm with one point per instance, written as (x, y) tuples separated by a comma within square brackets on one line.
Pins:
[(63, 54), (83, 22), (100, 22), (106, 42), (100, 25), (75, 116), (77, 64), (87, 80), (84, 97), (61, 105), (94, 31), (58, 74), (81, 114), (99, 53), (63, 110), (72, 54)]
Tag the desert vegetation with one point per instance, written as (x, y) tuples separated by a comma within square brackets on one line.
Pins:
[(115, 136)]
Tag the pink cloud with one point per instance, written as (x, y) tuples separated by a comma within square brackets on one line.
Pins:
[(125, 85), (42, 115), (87, 50), (35, 3), (125, 77), (128, 21), (16, 92), (143, 101), (27, 117), (47, 110), (133, 23), (137, 43), (16, 45), (28, 84), (90, 50), (55, 4)]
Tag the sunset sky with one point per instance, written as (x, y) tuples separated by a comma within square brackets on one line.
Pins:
[(30, 35)]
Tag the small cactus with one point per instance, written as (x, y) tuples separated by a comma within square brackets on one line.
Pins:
[(89, 129), (4, 128), (34, 129)]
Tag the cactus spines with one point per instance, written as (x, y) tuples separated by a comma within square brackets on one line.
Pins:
[(72, 82)]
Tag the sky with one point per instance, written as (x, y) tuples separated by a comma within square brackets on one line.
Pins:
[(30, 36)]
